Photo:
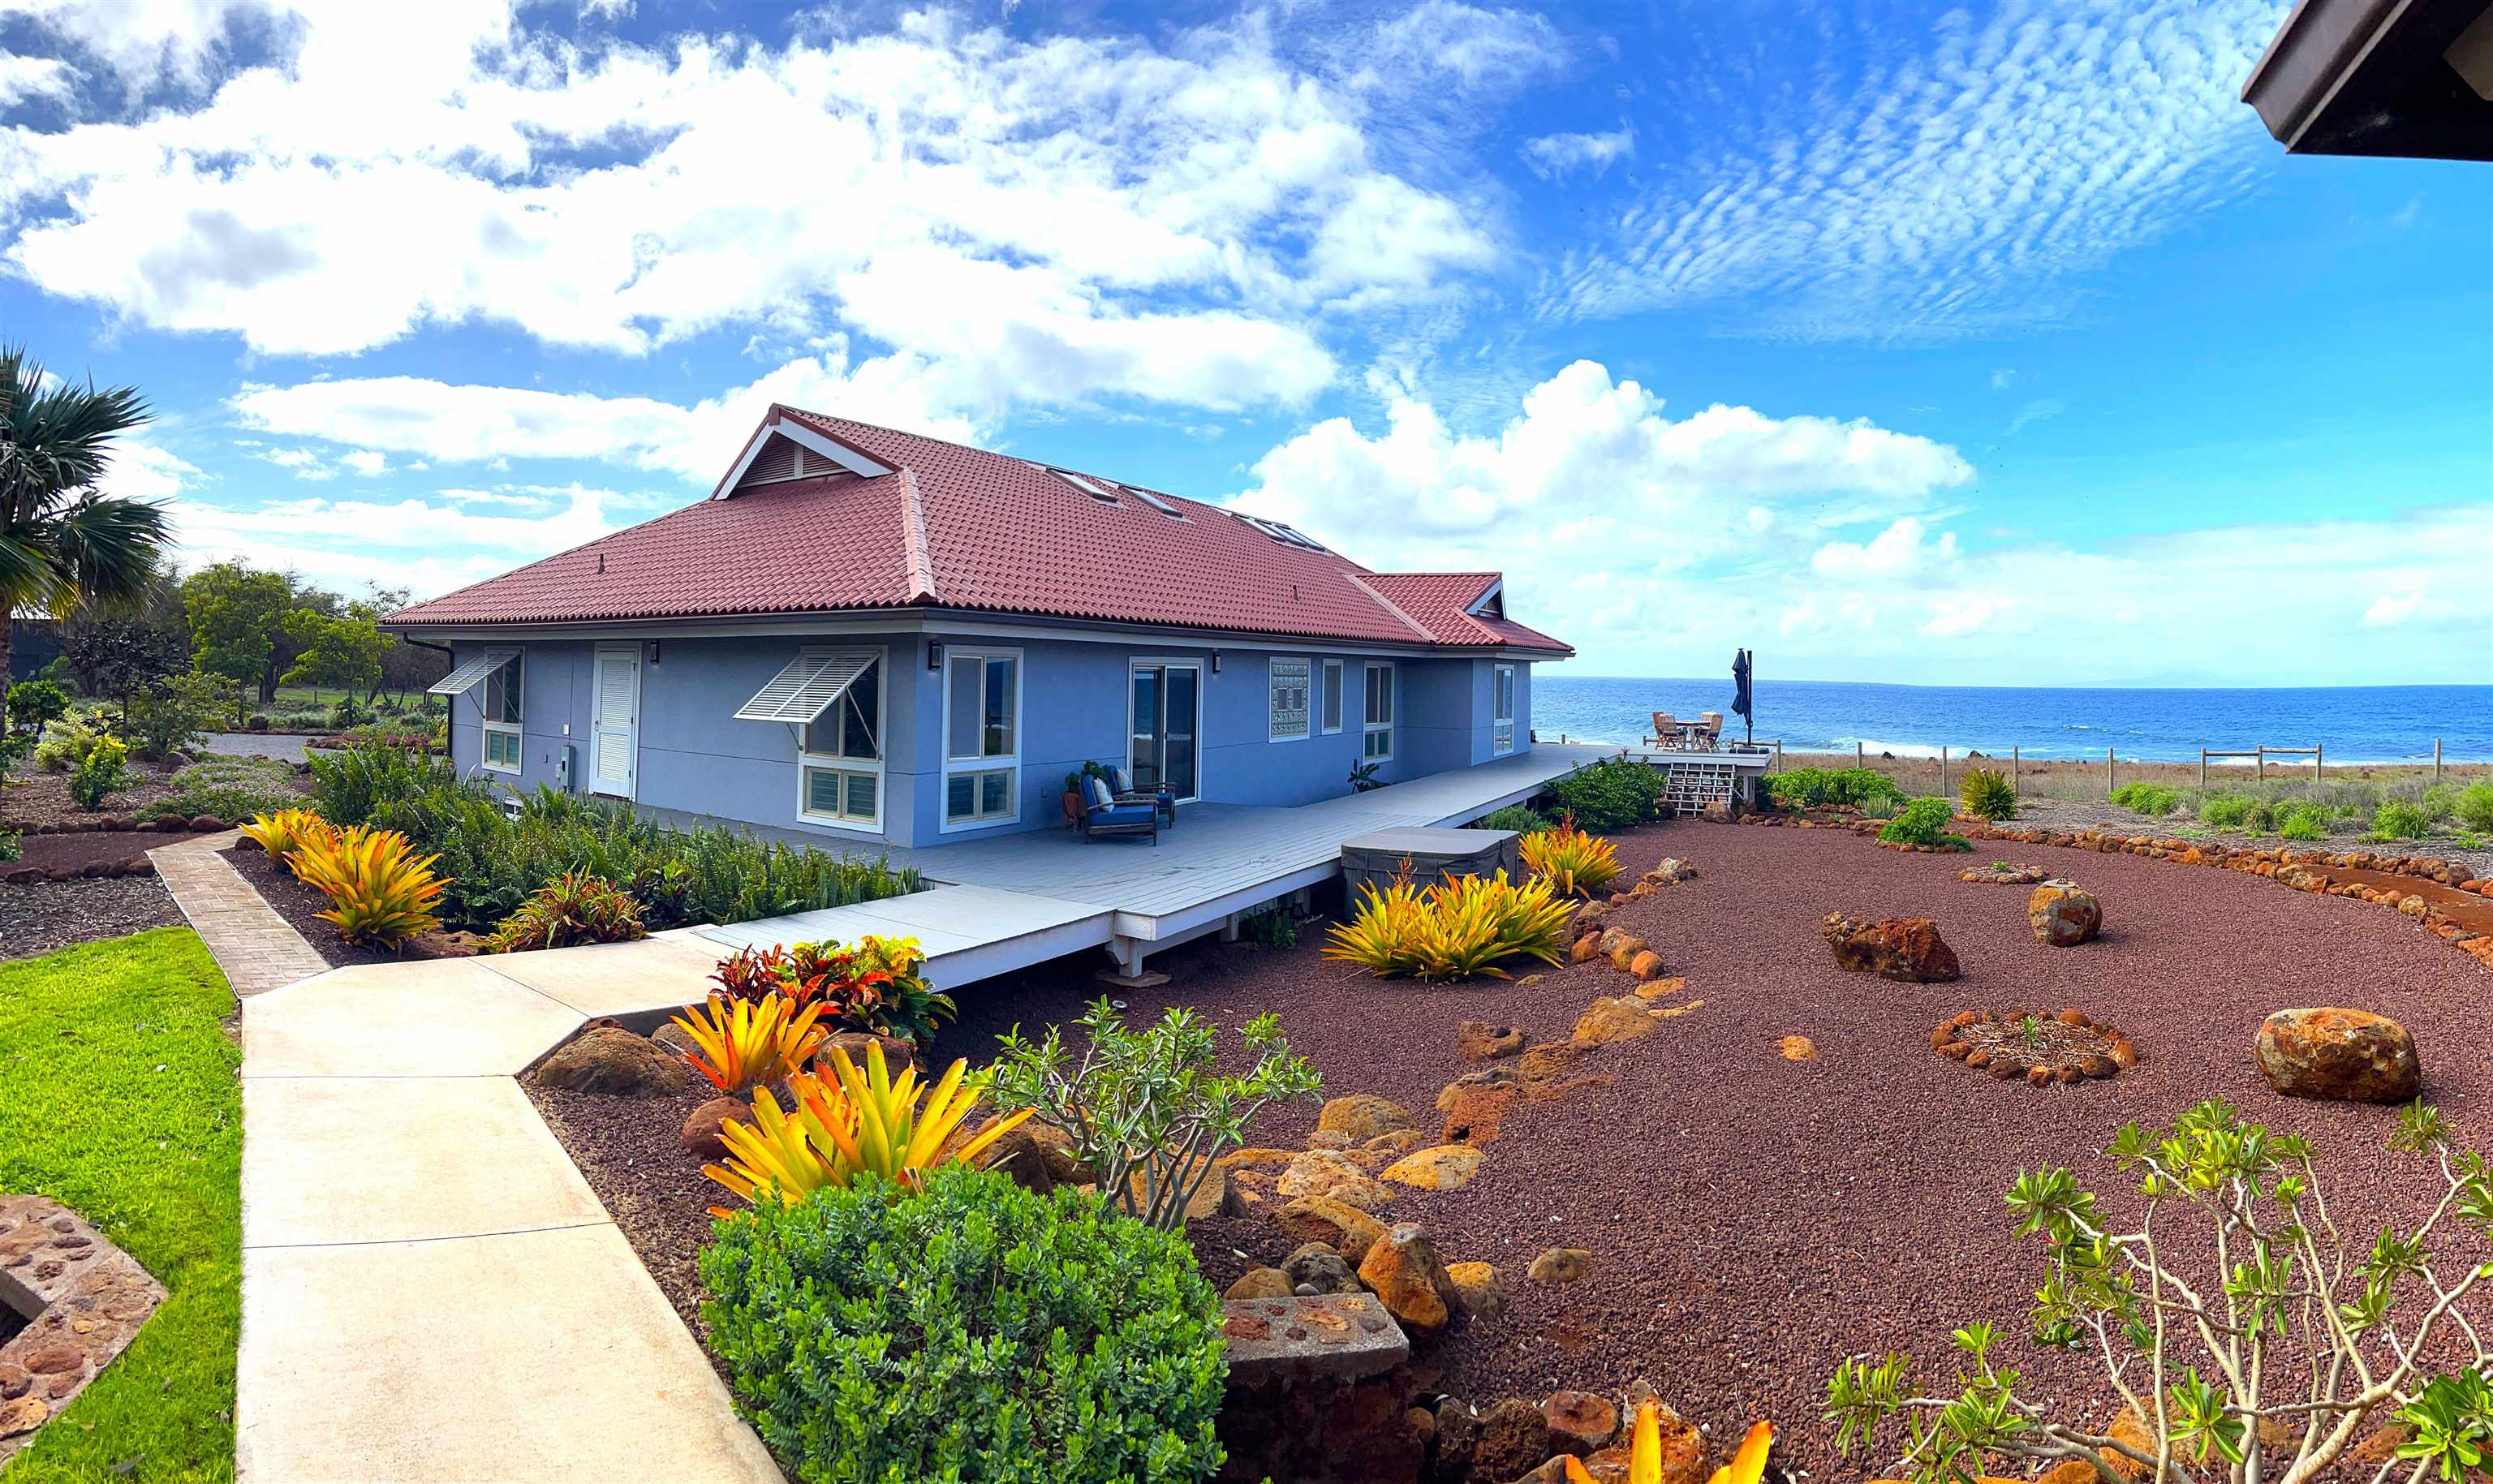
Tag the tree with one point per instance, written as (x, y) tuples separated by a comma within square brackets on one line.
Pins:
[(343, 651), (404, 666), (236, 613), (62, 544)]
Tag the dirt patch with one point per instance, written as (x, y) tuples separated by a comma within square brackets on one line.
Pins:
[(2466, 909), (35, 798), (54, 853), (43, 916)]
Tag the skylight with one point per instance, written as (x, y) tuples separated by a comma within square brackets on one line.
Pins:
[(1084, 484), (1156, 502)]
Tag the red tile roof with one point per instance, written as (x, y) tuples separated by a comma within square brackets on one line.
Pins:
[(960, 528)]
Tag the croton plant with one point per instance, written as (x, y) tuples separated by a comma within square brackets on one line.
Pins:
[(876, 984)]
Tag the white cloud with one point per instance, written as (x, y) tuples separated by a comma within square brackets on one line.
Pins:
[(140, 471), (1897, 552), (1555, 155), (22, 78), (427, 544), (2040, 410), (443, 422), (2391, 609), (365, 461), (1957, 181), (1054, 220)]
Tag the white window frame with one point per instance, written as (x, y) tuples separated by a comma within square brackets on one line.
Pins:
[(505, 674), (1008, 763), (1501, 723), (1328, 720), (810, 762), (1203, 677), (1306, 699), (1368, 726)]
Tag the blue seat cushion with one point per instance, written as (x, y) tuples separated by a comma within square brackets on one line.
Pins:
[(1124, 814)]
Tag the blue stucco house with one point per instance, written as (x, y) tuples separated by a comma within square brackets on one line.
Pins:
[(890, 639)]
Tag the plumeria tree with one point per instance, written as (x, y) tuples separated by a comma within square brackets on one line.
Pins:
[(2258, 1356), (61, 542)]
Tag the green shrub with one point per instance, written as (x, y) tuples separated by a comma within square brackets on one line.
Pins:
[(1273, 928), (493, 862), (349, 712), (168, 714), (1808, 787), (972, 1331), (231, 789), (1922, 823), (1612, 793), (2302, 822), (2474, 806), (103, 773), (567, 910), (2396, 821), (13, 844), (35, 703), (2148, 798), (2226, 810), (66, 740), (304, 721), (1987, 794), (1514, 816)]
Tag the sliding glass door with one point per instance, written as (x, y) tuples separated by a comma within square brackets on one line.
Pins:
[(1165, 709)]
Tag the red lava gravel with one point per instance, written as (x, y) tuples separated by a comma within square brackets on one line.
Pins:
[(1752, 1220)]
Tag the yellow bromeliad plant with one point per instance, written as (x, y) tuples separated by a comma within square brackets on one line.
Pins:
[(1574, 862), (1644, 1453), (744, 1043), (1462, 925), (379, 890), (288, 831), (849, 1123)]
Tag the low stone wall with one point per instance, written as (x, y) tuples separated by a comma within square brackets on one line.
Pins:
[(83, 1299)]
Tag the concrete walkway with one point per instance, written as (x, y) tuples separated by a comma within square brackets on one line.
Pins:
[(431, 1292), (257, 950)]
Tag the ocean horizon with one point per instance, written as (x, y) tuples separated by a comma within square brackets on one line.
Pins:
[(2352, 724)]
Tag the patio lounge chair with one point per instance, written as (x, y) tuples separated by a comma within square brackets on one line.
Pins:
[(1102, 815), (1666, 730), (1121, 785)]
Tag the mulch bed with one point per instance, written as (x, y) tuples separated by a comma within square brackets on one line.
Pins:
[(53, 853), (35, 798), (47, 915), (1752, 1220), (301, 905)]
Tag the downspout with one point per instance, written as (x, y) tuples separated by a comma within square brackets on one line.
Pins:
[(444, 650)]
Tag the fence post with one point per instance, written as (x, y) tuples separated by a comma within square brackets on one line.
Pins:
[(2259, 763), (2318, 760), (2203, 769), (2436, 760), (1779, 754), (2112, 771), (1942, 770), (1861, 759), (2016, 768)]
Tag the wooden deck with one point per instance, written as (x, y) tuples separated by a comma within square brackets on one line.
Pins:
[(1007, 901)]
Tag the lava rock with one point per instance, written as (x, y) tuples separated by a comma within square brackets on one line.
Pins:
[(1907, 949), (2062, 915), (1261, 1283), (1362, 1115), (2346, 1055), (1318, 1267), (1402, 1270), (608, 1059), (1561, 1264), (704, 1135)]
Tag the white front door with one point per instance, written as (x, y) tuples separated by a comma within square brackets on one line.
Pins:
[(614, 737)]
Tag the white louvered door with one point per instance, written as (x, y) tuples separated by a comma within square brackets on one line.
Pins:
[(613, 742)]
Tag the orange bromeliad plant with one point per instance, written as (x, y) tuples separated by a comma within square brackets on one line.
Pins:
[(744, 1045), (849, 1123), (1644, 1452)]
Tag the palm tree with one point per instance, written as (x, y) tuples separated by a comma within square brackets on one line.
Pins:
[(62, 542)]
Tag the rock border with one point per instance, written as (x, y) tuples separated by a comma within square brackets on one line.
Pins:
[(85, 1300)]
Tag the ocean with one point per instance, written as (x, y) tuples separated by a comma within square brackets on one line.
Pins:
[(2354, 724)]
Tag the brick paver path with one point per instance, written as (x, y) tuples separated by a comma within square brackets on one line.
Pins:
[(254, 945)]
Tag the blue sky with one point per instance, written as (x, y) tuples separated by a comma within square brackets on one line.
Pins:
[(1994, 346)]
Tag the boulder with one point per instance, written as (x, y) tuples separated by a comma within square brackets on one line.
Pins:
[(1513, 1441), (2349, 1055), (1402, 1270), (1481, 1041), (1402, 1140), (1561, 1264), (702, 1137), (1587, 948), (1579, 1422), (1346, 1228), (1656, 988), (1614, 1020), (1907, 949), (1260, 1282), (1446, 1166), (1332, 1175), (2062, 915), (1478, 1287), (1318, 1268), (1476, 1103), (610, 1060), (208, 825), (1621, 948), (1211, 1196), (1546, 1062), (1797, 1049), (1362, 1115)]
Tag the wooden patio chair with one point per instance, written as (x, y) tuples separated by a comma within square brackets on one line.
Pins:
[(1666, 730), (1101, 814), (1122, 790)]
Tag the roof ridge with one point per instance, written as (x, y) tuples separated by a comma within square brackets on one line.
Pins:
[(1390, 606), (920, 556), (620, 530)]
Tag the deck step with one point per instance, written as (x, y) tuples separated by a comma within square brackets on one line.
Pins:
[(1691, 784)]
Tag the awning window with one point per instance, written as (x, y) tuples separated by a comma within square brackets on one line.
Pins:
[(806, 688), (466, 677)]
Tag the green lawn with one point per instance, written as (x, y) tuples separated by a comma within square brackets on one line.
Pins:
[(118, 1098)]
